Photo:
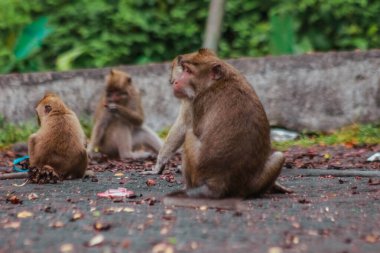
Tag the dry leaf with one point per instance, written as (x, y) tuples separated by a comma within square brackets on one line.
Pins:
[(32, 196), (57, 224), (24, 214), (77, 216), (14, 199), (67, 247), (275, 250), (95, 241), (119, 174), (150, 182), (100, 226), (12, 224), (162, 248)]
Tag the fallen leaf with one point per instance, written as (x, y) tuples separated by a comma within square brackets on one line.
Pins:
[(14, 199), (162, 248), (77, 216), (24, 214), (32, 196), (12, 224), (57, 224), (125, 244), (150, 182), (95, 241), (128, 210), (100, 226), (304, 201), (119, 174), (373, 181), (67, 247), (275, 250), (372, 238)]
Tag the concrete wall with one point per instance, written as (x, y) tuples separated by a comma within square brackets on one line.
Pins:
[(321, 91)]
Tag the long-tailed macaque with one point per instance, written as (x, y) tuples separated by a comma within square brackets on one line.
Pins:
[(224, 131), (118, 122), (177, 132), (58, 148)]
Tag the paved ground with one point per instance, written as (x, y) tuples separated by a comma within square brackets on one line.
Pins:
[(326, 214)]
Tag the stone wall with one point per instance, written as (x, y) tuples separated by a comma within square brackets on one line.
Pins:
[(320, 91)]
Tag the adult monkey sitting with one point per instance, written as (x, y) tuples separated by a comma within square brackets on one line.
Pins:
[(225, 134)]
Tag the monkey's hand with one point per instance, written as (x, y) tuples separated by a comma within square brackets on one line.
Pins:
[(112, 107), (158, 169), (44, 175)]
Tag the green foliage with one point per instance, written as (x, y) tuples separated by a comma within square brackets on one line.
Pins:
[(350, 135), (11, 133), (98, 33), (86, 123)]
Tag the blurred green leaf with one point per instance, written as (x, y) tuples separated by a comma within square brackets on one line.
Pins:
[(282, 34), (31, 38), (65, 60)]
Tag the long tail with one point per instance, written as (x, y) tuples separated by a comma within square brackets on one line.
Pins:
[(270, 173)]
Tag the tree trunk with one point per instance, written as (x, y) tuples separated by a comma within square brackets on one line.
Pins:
[(214, 25)]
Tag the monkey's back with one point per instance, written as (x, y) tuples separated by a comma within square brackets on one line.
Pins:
[(60, 144), (231, 123)]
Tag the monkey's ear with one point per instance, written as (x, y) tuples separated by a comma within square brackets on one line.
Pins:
[(112, 72), (206, 51), (129, 79), (47, 109), (217, 72)]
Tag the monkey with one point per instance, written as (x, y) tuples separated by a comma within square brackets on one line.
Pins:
[(58, 148), (118, 121), (176, 135), (226, 147)]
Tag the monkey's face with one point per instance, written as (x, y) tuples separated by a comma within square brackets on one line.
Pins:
[(118, 87), (46, 105), (194, 72)]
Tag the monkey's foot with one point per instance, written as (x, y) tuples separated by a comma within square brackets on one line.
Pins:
[(278, 188), (44, 175), (151, 172)]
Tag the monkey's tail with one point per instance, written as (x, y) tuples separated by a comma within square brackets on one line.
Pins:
[(271, 171)]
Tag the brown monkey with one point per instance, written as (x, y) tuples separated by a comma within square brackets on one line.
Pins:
[(227, 145), (58, 148), (176, 135), (118, 122)]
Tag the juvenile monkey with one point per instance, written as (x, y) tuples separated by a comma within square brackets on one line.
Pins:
[(58, 147), (118, 121), (227, 142)]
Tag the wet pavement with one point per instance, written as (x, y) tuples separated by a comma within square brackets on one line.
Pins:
[(325, 214)]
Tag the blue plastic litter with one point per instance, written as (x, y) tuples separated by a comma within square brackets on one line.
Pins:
[(18, 161)]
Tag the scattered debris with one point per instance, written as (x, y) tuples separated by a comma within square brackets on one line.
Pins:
[(24, 214), (116, 194), (281, 135), (150, 182), (32, 196), (374, 157), (57, 224), (163, 248), (95, 241), (76, 216), (101, 226), (13, 199)]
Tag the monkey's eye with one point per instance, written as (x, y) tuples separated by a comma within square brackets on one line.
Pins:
[(47, 108), (186, 69)]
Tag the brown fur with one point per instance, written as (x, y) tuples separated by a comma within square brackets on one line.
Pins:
[(118, 120), (227, 146), (59, 144)]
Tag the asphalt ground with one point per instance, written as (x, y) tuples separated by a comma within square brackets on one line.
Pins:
[(325, 214)]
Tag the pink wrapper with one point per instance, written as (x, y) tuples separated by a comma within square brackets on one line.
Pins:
[(117, 193)]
